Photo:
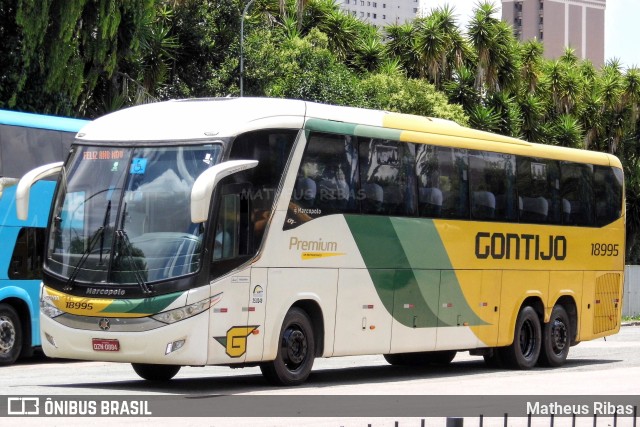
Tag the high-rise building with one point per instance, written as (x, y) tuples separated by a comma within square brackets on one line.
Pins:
[(578, 24), (385, 12)]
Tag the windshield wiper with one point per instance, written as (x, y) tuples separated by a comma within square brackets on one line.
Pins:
[(72, 277), (99, 234), (134, 268)]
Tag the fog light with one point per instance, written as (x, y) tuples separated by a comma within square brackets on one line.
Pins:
[(50, 339), (173, 346)]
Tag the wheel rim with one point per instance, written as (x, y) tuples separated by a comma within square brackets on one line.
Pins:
[(527, 339), (559, 336), (294, 346), (7, 335)]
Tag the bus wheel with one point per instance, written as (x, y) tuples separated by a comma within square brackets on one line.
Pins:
[(527, 339), (555, 338), (10, 335), (155, 372), (296, 351)]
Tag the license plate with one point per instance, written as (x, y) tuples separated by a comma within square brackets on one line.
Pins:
[(105, 344)]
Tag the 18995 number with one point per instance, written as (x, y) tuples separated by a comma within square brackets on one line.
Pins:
[(79, 305), (604, 249)]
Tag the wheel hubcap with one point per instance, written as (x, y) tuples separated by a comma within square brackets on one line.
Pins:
[(294, 345), (7, 335), (559, 336)]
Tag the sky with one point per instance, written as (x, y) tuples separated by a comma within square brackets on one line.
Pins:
[(622, 29)]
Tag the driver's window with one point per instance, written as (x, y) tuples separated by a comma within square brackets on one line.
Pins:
[(227, 228)]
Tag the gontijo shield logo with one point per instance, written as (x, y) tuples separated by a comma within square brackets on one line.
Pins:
[(235, 342)]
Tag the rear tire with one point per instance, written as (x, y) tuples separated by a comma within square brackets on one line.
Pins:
[(296, 351), (556, 338), (10, 335), (527, 339), (152, 372)]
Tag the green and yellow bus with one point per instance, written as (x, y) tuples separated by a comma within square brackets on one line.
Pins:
[(270, 232)]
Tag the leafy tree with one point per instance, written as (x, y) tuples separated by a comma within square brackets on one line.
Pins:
[(62, 48), (406, 95)]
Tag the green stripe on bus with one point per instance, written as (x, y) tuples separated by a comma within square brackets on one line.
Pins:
[(411, 271), (331, 126), (142, 305)]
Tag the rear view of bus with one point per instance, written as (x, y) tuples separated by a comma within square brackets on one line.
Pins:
[(269, 232), (26, 141)]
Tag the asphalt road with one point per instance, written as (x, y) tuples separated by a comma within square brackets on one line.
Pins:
[(600, 367)]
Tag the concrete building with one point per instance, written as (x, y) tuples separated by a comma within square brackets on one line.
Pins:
[(578, 24), (385, 12)]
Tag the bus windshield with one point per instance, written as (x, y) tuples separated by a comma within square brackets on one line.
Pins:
[(122, 214)]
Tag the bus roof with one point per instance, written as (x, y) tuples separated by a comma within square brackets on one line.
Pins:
[(199, 119), (41, 121)]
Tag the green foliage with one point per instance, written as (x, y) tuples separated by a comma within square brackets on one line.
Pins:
[(411, 96), (66, 47), (299, 69)]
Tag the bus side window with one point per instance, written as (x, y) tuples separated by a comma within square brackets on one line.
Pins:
[(388, 166), (232, 236), (271, 148), (576, 186), (538, 191), (442, 179), (493, 192), (327, 177), (608, 194), (26, 261)]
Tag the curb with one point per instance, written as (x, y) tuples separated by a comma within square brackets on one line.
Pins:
[(632, 323)]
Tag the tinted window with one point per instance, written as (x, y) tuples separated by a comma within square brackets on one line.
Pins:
[(26, 261), (443, 186), (577, 193), (271, 148), (607, 183), (493, 195), (387, 177), (539, 198)]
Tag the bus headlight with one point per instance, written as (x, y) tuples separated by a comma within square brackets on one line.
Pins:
[(182, 313), (48, 309)]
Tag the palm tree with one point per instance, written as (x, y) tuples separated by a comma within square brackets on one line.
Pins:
[(369, 52), (399, 44), (567, 131), (484, 118), (482, 35), (611, 91), (430, 44), (532, 110), (460, 89), (531, 56)]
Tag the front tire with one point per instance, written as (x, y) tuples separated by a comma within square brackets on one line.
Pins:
[(556, 338), (151, 372), (523, 353), (296, 351), (10, 335)]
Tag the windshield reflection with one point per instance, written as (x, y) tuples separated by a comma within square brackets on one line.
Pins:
[(122, 215)]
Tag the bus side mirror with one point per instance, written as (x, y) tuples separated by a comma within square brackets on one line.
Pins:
[(205, 184), (24, 186)]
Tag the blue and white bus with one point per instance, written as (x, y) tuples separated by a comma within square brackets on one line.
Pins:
[(26, 141)]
